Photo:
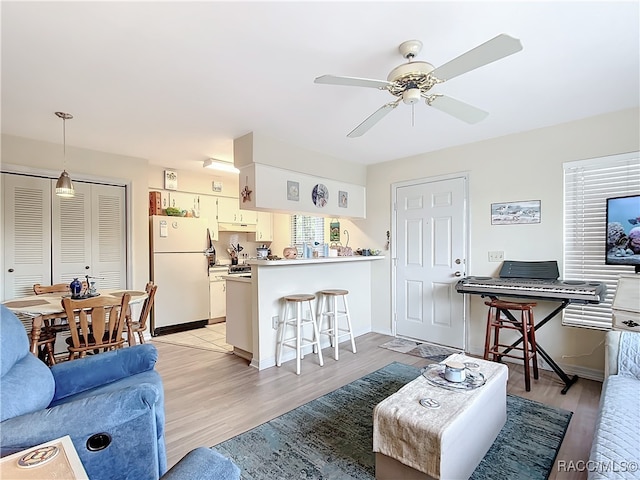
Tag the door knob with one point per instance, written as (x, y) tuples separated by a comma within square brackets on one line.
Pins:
[(87, 267), (457, 274), (458, 261), (11, 270)]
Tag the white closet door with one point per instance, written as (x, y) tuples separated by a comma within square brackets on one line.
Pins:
[(27, 234), (89, 236), (108, 229), (71, 241)]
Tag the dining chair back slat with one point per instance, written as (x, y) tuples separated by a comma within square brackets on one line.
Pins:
[(96, 324), (39, 289), (140, 326)]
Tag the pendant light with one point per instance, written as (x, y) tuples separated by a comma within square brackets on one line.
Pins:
[(64, 187)]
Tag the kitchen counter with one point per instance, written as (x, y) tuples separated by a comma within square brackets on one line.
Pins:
[(263, 293), (246, 278), (304, 261)]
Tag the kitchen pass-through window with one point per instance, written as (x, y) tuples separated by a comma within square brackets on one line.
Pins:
[(306, 229)]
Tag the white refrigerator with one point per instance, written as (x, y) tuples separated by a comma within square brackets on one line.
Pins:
[(180, 268)]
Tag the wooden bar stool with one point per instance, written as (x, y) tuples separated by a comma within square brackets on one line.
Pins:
[(328, 308), (298, 321), (499, 317)]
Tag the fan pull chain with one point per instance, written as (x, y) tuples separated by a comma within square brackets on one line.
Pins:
[(413, 115)]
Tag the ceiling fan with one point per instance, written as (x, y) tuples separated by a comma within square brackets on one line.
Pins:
[(413, 80)]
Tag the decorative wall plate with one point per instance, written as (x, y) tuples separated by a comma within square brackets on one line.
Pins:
[(320, 195)]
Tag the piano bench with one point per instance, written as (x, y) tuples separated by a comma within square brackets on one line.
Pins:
[(499, 317)]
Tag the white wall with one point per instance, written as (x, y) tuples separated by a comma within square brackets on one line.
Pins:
[(524, 166)]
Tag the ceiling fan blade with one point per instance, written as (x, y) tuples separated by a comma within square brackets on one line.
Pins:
[(372, 119), (352, 81), (495, 49), (463, 111)]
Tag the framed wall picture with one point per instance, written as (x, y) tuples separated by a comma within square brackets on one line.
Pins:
[(293, 191), (343, 199), (170, 180), (515, 213)]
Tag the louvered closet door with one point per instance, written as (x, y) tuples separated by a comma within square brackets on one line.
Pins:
[(71, 225), (89, 236), (27, 233), (109, 252)]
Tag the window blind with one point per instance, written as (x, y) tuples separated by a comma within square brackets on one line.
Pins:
[(587, 185), (305, 229)]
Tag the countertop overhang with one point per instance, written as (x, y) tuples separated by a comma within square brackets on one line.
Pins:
[(307, 261)]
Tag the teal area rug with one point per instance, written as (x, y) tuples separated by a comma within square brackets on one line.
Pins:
[(331, 437)]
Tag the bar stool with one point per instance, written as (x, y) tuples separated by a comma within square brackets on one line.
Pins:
[(298, 341), (499, 318), (328, 307)]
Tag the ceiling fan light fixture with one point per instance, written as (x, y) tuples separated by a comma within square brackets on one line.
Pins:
[(411, 96), (221, 165), (64, 187)]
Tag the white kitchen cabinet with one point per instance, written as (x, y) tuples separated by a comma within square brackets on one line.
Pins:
[(229, 212), (186, 201), (217, 295), (239, 317), (209, 212), (264, 228)]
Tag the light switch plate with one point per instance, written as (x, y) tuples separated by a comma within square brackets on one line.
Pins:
[(496, 256)]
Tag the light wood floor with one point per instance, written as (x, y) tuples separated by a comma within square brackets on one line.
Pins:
[(212, 396)]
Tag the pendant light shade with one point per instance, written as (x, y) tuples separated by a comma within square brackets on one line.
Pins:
[(64, 187)]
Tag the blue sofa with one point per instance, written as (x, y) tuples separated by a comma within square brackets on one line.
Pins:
[(118, 393)]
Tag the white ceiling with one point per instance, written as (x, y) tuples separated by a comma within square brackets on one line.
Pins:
[(176, 82)]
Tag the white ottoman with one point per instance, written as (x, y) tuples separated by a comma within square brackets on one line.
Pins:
[(414, 442)]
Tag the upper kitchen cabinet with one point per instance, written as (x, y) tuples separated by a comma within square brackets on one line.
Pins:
[(191, 202), (278, 190), (209, 212), (264, 228), (229, 212)]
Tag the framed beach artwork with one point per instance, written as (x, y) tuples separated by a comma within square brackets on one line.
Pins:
[(515, 213), (293, 191), (343, 199)]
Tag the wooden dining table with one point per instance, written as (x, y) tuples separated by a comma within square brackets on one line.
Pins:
[(49, 306)]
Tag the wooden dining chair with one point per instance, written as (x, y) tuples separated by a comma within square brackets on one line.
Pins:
[(96, 324), (52, 324), (140, 325)]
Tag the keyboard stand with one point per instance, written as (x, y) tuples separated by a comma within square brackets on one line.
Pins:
[(568, 381)]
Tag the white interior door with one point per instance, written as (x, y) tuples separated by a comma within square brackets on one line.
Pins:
[(26, 233), (430, 251), (89, 235)]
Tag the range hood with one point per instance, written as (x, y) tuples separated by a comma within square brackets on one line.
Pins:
[(236, 227)]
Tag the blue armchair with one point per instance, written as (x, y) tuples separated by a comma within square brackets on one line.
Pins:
[(118, 393)]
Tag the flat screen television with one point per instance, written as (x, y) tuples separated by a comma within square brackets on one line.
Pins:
[(623, 231)]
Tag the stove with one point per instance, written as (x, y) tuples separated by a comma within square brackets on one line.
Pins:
[(239, 269)]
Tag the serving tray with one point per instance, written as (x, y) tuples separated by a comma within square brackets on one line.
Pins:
[(434, 374)]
